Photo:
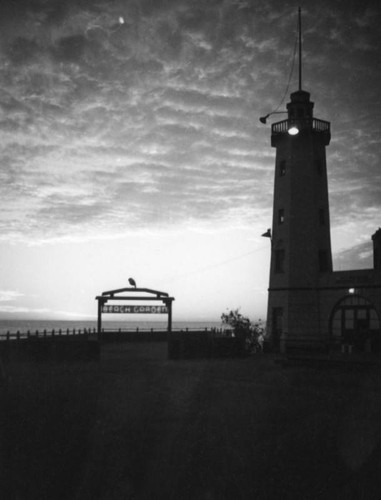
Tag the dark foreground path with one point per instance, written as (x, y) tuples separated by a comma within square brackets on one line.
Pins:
[(138, 426)]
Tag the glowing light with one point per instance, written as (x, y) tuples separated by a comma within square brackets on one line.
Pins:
[(293, 130), (121, 20), (351, 290)]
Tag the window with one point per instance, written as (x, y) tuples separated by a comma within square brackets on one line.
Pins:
[(279, 260), (349, 319), (354, 317), (281, 216), (374, 323), (362, 314), (336, 323), (282, 168)]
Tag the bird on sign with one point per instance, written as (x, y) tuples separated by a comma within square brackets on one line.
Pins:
[(132, 282)]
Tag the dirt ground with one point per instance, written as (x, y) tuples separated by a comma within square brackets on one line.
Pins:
[(139, 426)]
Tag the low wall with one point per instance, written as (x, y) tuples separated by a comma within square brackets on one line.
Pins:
[(53, 349), (181, 345), (134, 336), (191, 345)]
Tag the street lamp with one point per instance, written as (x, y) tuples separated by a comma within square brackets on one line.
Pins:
[(263, 119)]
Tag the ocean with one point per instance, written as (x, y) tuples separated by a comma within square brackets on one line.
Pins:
[(23, 326)]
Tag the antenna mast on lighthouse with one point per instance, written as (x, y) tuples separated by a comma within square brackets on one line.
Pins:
[(300, 47)]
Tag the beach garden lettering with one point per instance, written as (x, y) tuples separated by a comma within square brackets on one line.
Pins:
[(135, 309)]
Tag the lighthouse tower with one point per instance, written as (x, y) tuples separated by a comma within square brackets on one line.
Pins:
[(300, 243)]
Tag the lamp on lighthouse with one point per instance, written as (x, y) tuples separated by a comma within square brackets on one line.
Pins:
[(292, 128)]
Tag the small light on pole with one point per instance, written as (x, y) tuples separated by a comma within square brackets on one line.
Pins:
[(263, 119)]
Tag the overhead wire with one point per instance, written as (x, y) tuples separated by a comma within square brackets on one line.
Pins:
[(217, 264), (290, 75)]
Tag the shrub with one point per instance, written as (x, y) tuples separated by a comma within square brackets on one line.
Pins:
[(252, 335)]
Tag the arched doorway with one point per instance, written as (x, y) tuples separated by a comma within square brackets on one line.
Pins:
[(354, 321)]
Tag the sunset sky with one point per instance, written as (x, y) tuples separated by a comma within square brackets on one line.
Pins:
[(131, 145)]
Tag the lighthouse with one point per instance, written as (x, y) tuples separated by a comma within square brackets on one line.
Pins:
[(301, 242), (308, 303)]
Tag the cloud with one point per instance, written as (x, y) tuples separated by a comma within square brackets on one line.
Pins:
[(155, 121), (11, 312), (359, 256), (23, 50), (9, 295), (70, 48)]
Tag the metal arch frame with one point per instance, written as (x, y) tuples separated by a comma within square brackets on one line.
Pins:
[(113, 295)]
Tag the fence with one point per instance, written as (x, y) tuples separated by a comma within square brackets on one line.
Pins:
[(45, 334), (106, 333), (316, 125)]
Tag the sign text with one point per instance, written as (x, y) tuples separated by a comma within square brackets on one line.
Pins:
[(137, 309)]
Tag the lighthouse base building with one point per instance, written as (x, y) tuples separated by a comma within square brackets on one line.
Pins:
[(342, 312), (311, 306)]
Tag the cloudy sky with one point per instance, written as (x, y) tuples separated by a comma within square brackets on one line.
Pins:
[(131, 146)]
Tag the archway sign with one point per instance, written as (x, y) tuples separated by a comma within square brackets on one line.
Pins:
[(134, 308)]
